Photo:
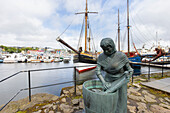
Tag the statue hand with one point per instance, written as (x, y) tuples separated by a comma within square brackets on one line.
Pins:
[(106, 85), (127, 75)]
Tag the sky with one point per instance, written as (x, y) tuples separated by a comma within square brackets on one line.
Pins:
[(37, 23)]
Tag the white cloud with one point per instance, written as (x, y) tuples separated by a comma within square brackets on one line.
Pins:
[(39, 22), (22, 21), (152, 16)]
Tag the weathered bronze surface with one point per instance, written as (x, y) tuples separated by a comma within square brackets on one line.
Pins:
[(118, 72), (97, 101)]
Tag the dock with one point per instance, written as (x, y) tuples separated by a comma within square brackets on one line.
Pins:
[(151, 65), (162, 85)]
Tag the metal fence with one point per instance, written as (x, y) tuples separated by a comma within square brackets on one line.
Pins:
[(47, 69), (36, 70)]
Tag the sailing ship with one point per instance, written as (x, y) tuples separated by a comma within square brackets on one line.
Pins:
[(132, 56), (159, 58), (86, 56)]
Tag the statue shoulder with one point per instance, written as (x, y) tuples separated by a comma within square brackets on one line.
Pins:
[(101, 56), (121, 55)]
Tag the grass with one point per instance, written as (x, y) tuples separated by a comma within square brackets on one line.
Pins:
[(77, 97), (158, 93), (22, 112)]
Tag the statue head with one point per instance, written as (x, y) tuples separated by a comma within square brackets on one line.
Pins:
[(108, 46)]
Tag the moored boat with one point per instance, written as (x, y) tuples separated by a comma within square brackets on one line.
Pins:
[(86, 72), (33, 59), (161, 60), (86, 56), (58, 60), (10, 58), (48, 59), (66, 59), (1, 59)]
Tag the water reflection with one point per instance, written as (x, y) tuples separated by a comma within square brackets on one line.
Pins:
[(11, 86)]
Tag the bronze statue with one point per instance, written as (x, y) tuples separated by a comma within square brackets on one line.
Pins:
[(118, 72)]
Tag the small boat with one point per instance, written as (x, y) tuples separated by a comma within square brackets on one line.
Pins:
[(48, 59), (66, 59), (58, 57), (33, 59), (161, 60), (86, 72), (58, 60), (160, 56), (1, 59), (20, 57), (10, 58)]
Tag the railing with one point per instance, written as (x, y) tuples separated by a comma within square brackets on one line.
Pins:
[(29, 80), (149, 64)]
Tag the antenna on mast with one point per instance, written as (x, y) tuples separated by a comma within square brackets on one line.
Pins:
[(156, 39), (118, 32)]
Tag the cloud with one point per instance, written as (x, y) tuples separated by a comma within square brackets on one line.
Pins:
[(22, 22), (151, 16), (40, 22)]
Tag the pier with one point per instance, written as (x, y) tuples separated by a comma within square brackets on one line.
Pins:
[(151, 65), (162, 85)]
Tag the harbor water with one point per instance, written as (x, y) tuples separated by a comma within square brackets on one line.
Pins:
[(11, 86)]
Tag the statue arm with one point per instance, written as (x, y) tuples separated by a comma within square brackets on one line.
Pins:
[(128, 71), (98, 73), (106, 85)]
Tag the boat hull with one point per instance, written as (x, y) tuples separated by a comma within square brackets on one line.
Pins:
[(10, 61), (85, 73), (84, 58), (1, 61), (135, 59), (137, 68), (162, 60)]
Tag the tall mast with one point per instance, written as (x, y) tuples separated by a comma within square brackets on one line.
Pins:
[(86, 17), (128, 27), (118, 32), (156, 39), (89, 41)]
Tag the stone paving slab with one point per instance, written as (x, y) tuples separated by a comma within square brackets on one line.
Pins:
[(163, 84)]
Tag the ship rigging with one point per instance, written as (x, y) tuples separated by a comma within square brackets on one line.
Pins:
[(86, 56)]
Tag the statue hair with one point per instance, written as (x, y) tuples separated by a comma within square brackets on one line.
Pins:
[(107, 41)]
